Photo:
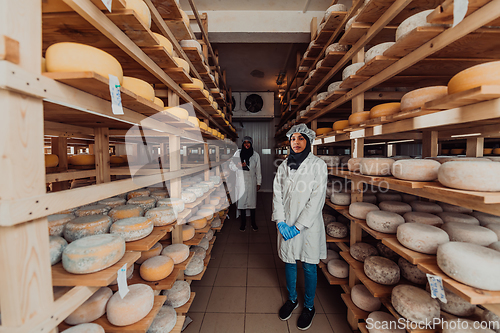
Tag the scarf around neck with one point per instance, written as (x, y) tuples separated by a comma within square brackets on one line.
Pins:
[(245, 155), (295, 159)]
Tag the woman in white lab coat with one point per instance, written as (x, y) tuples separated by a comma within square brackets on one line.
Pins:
[(299, 192), (246, 164)]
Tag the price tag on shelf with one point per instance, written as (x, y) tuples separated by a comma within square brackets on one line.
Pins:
[(107, 3), (436, 286), (116, 97), (122, 281)]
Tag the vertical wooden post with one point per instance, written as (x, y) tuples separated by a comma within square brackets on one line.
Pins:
[(314, 127), (217, 159), (475, 147), (59, 146), (102, 164), (429, 144), (206, 161), (173, 98), (314, 27), (358, 102), (174, 145)]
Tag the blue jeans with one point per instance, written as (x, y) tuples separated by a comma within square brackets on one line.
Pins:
[(310, 277)]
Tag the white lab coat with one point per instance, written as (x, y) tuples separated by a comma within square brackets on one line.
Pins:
[(298, 199), (247, 181)]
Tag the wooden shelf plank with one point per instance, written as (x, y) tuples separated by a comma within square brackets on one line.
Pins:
[(178, 326), (196, 59), (128, 21), (375, 8), (362, 328), (471, 96), (413, 40), (182, 266), (412, 256), (179, 29), (357, 30), (330, 239), (332, 280), (206, 261), (323, 37), (212, 241), (357, 312), (146, 243), (168, 9), (185, 308), (484, 197), (343, 246), (196, 277), (195, 240), (62, 278), (334, 21), (179, 75), (140, 327), (353, 81), (205, 229)]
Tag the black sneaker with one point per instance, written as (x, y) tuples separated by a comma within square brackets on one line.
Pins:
[(254, 227), (287, 309), (242, 228), (305, 318)]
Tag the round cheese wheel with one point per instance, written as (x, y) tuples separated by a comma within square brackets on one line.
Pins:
[(340, 125), (489, 316), (209, 235), (389, 196), (92, 210), (51, 160), (376, 166), (475, 76), (126, 211), (187, 232), (362, 298), (75, 57), (204, 187), (81, 160), (132, 308), (161, 216), (188, 196), (57, 223), (178, 252), (416, 170), (93, 253), (381, 270), (178, 112), (57, 245), (354, 164), (141, 10), (335, 86), (360, 209), (152, 252), (204, 243), (324, 130), (159, 194), (138, 193), (448, 217), (165, 320), (351, 70), (196, 190), (454, 209), (337, 230), (424, 218), (86, 226), (330, 254), (455, 304), (471, 264), (426, 207), (411, 272), (139, 87), (185, 17), (159, 102), (341, 199), (195, 267), (85, 328), (361, 251), (411, 23), (203, 126), (422, 238), (322, 96), (216, 223), (358, 117), (191, 43), (417, 98), (473, 176), (194, 121), (485, 218), (338, 268), (112, 202), (468, 233), (145, 202), (336, 47), (182, 64), (198, 251), (197, 84), (386, 252), (214, 202), (395, 207), (384, 221), (385, 109), (377, 50), (156, 268), (133, 228), (391, 325), (408, 197), (198, 222), (327, 218), (495, 228), (93, 308), (415, 304), (207, 213), (370, 198)]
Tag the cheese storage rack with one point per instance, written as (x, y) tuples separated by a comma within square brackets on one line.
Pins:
[(75, 106), (415, 61)]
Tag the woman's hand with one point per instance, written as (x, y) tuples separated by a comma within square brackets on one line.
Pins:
[(258, 187)]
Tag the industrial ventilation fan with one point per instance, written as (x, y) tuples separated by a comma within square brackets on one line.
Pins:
[(254, 103)]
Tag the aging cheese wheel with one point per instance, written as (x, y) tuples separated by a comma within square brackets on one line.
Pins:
[(85, 328), (358, 117), (489, 316), (386, 252), (412, 22), (188, 196), (338, 268), (417, 98), (327, 218), (204, 243), (411, 272), (92, 210), (112, 202), (178, 112), (195, 267), (370, 198), (145, 202), (198, 222), (75, 57), (495, 228), (191, 43), (361, 251), (178, 295), (337, 230), (93, 253), (353, 164), (187, 232), (214, 202), (414, 304), (124, 212), (362, 298), (455, 304), (321, 131), (198, 251), (152, 252), (139, 87), (141, 10), (391, 324), (197, 84), (138, 193), (385, 109), (335, 86), (57, 223), (165, 320), (92, 309), (384, 221), (389, 196), (322, 96), (408, 197), (426, 207), (176, 204), (424, 218), (416, 170), (468, 175), (495, 246), (87, 226), (193, 120), (377, 50), (159, 194), (216, 223), (468, 233), (341, 199), (330, 254), (351, 70), (395, 207), (182, 64), (57, 245), (208, 207), (161, 216), (422, 238), (156, 268), (165, 43), (133, 228), (381, 270), (132, 308), (475, 76), (340, 125), (51, 160), (207, 213), (178, 252), (471, 264), (209, 235), (376, 166), (360, 209), (453, 209), (448, 217), (336, 47)]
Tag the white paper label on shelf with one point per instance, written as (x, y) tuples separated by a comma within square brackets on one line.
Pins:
[(459, 10), (436, 286), (116, 97), (122, 281), (107, 3)]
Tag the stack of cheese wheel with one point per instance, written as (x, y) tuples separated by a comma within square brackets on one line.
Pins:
[(133, 228), (85, 226), (417, 98), (156, 268), (93, 308), (82, 160), (132, 308), (51, 160), (383, 110), (145, 202), (125, 211), (57, 222)]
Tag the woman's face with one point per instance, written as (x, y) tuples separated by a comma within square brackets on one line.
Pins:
[(246, 144), (298, 143)]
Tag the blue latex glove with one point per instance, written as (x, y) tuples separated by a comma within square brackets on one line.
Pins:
[(281, 228), (288, 232)]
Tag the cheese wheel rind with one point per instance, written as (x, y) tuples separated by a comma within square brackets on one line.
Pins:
[(178, 295), (177, 252), (472, 176), (376, 166), (165, 320), (412, 22), (92, 309), (414, 303), (422, 238), (416, 170), (161, 216), (338, 268), (382, 270), (133, 228), (385, 109), (363, 299), (468, 233), (411, 272), (384, 221), (57, 223), (165, 43), (132, 308), (358, 117), (125, 211), (85, 226), (156, 268), (417, 98), (57, 245), (475, 76), (360, 209), (139, 87), (85, 328)]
